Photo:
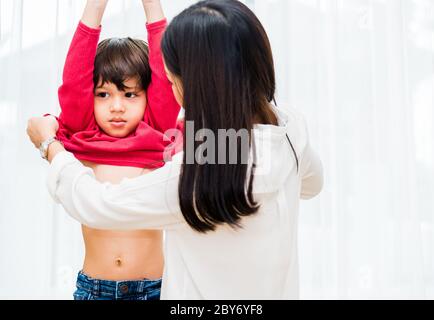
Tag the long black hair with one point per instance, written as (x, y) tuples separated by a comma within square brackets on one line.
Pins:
[(221, 53)]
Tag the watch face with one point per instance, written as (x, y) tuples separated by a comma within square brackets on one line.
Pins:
[(43, 151), (44, 147)]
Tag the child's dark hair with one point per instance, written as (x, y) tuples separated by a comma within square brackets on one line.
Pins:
[(120, 59)]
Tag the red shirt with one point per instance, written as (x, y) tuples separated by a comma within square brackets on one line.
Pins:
[(144, 148)]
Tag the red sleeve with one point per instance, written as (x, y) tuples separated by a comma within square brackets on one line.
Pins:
[(162, 109), (76, 95)]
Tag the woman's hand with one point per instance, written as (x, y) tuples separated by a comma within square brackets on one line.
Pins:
[(41, 128)]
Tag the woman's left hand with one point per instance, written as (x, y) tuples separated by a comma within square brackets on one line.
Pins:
[(40, 129)]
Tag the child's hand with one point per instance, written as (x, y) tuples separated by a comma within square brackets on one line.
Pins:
[(98, 2), (149, 2), (94, 12), (153, 10)]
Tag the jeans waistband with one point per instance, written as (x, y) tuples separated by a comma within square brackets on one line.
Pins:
[(116, 289)]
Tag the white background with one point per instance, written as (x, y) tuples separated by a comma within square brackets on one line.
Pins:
[(362, 71)]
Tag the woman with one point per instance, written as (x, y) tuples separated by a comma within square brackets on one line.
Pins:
[(231, 225)]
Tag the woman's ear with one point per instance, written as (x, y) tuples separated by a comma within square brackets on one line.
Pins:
[(178, 91), (168, 73), (177, 87)]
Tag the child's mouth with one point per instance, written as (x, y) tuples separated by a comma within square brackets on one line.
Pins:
[(118, 123)]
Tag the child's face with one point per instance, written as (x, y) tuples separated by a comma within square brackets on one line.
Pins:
[(118, 113)]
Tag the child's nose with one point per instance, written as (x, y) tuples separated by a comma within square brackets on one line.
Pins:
[(117, 106)]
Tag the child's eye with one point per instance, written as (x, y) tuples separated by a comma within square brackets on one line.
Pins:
[(102, 94), (130, 95)]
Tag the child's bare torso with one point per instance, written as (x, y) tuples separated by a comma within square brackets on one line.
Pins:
[(121, 255)]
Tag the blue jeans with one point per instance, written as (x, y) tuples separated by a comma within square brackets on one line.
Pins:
[(94, 289)]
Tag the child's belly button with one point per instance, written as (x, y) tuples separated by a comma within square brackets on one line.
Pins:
[(118, 262)]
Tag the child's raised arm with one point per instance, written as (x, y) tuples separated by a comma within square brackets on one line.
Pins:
[(76, 95), (162, 109), (153, 10), (93, 13)]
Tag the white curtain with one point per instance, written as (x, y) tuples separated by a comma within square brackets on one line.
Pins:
[(362, 71)]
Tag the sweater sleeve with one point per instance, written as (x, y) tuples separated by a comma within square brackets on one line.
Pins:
[(311, 170), (147, 202), (312, 174), (76, 94), (162, 110)]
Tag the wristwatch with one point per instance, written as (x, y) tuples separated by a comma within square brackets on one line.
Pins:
[(43, 148)]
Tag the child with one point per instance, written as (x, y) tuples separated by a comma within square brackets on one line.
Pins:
[(116, 104)]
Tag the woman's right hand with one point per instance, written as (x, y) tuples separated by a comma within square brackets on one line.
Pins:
[(40, 129)]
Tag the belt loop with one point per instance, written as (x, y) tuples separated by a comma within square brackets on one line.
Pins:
[(141, 286), (95, 289)]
